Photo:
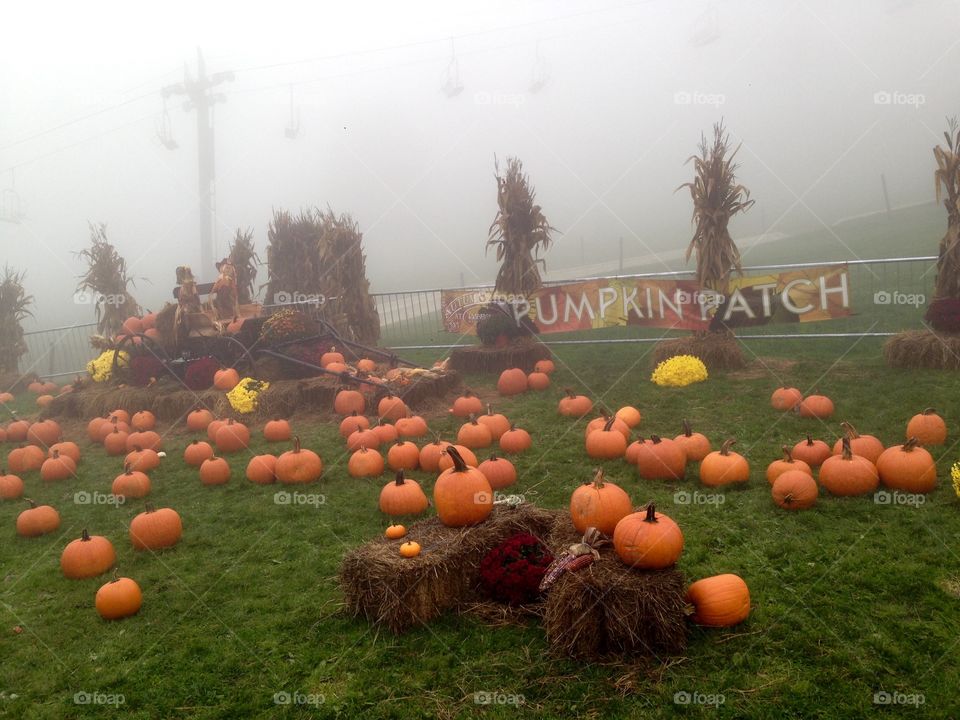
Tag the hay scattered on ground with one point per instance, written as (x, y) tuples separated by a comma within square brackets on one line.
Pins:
[(523, 354), (717, 350), (401, 593), (923, 349), (609, 609)]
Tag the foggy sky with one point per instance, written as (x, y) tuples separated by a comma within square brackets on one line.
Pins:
[(604, 142)]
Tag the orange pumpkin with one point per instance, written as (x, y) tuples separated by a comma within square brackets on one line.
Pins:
[(155, 529), (512, 382), (115, 442), (365, 463), (446, 462), (812, 452), (928, 428), (573, 405), (794, 490), (120, 416), (785, 398), (500, 472), (17, 431), (226, 379), (866, 445), (331, 356), (606, 443), (395, 532), (58, 467), (600, 422), (68, 448), (143, 420), (277, 430), (410, 549), (262, 469), (94, 429), (462, 494), (299, 465), (44, 433), (544, 366), (25, 458), (661, 459), (199, 419), (232, 437), (392, 408), (215, 471), (787, 464), (719, 601), (816, 406), (145, 439), (131, 484), (351, 423), (538, 381), (119, 598), (365, 438), (37, 520), (141, 459), (908, 467), (402, 496), (515, 440), (213, 427), (348, 402), (366, 365), (648, 540), (497, 423), (466, 405), (408, 427), (599, 504), (848, 474), (44, 401), (11, 486), (196, 452), (403, 455), (474, 435), (630, 415), (87, 557), (724, 466), (695, 445), (431, 453), (385, 432)]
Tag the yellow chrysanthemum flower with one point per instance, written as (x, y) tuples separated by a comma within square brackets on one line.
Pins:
[(243, 397), (955, 476), (101, 367), (680, 370)]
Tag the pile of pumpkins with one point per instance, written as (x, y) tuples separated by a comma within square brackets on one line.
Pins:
[(515, 381), (45, 392)]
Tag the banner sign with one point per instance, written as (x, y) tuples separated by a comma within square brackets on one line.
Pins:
[(802, 295)]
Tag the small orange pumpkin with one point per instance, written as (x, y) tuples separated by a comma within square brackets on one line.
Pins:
[(277, 430), (58, 467), (11, 486), (411, 427), (226, 379), (409, 549), (648, 540), (131, 484), (402, 496), (719, 601), (155, 529), (794, 490), (497, 423), (119, 598), (928, 428), (908, 467), (573, 405), (538, 381), (599, 504), (812, 452), (37, 520), (403, 455), (262, 469), (395, 532), (787, 464), (232, 437), (392, 408), (816, 406), (466, 405), (515, 440), (199, 419), (196, 452), (474, 435), (785, 398), (848, 474), (143, 420), (87, 557), (215, 471), (606, 443), (695, 445), (723, 466), (630, 415), (512, 382), (661, 459), (348, 401), (499, 471), (866, 445)]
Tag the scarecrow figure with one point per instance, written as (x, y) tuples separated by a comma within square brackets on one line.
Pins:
[(225, 291), (188, 297)]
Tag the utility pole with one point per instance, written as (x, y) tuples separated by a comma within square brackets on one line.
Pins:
[(200, 97)]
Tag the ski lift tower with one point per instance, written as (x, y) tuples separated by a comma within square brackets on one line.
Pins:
[(200, 97), (11, 209)]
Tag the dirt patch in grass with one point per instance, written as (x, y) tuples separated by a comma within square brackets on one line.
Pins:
[(761, 367)]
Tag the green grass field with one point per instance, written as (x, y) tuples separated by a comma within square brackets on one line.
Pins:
[(850, 599)]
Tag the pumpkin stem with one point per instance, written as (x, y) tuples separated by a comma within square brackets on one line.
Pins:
[(598, 478), (570, 393), (31, 503), (126, 468), (687, 430), (651, 516), (489, 409), (296, 443), (929, 411), (911, 444), (468, 393), (148, 507), (493, 457), (787, 454), (608, 425), (85, 536), (809, 440), (847, 452), (473, 419), (727, 444), (400, 480), (850, 430), (55, 453), (458, 463), (656, 439)]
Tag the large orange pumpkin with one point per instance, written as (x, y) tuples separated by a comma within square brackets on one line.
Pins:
[(785, 398), (648, 540), (17, 430), (353, 422), (11, 486), (385, 432), (44, 433), (58, 467), (788, 463), (232, 437), (908, 467), (816, 406), (403, 455), (68, 448), (431, 453), (413, 426), (497, 423), (131, 484), (365, 463), (538, 381), (661, 459), (145, 439), (215, 471), (723, 466), (599, 504), (794, 490), (392, 408), (606, 443), (262, 469), (847, 474), (347, 402), (37, 520), (143, 420), (115, 442), (512, 382), (199, 419), (155, 529), (142, 459), (299, 465), (402, 496), (695, 445), (515, 440), (25, 458), (719, 601), (89, 556), (119, 598), (466, 405), (196, 452), (277, 430), (474, 435), (462, 494), (928, 428), (366, 438), (630, 415), (866, 445)]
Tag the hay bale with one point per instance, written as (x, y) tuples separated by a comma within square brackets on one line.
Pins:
[(401, 593), (167, 400), (923, 349), (522, 354), (717, 350), (608, 608)]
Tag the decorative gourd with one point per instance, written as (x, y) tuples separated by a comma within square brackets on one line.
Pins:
[(500, 472), (723, 466), (812, 452), (353, 422), (538, 381), (648, 540), (785, 398), (57, 467), (515, 440), (365, 438), (410, 427), (87, 557), (719, 601), (573, 405), (262, 469), (395, 532), (215, 471), (410, 549), (544, 366), (446, 462), (119, 598), (495, 422), (199, 419), (908, 467), (866, 445), (630, 415), (462, 494), (606, 443), (431, 453), (196, 452), (232, 437), (403, 455), (661, 459), (474, 435), (277, 430), (599, 504), (402, 496), (11, 486), (512, 382), (695, 445), (143, 420), (787, 464), (37, 520), (141, 459), (347, 402), (816, 406), (847, 474), (928, 428), (299, 465), (466, 405), (155, 529), (392, 408), (131, 484), (226, 379), (794, 490), (68, 448)]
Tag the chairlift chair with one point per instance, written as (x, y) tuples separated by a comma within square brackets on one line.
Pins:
[(540, 74), (451, 85), (292, 131), (165, 130), (11, 208)]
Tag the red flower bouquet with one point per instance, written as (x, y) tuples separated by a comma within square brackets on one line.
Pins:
[(511, 572)]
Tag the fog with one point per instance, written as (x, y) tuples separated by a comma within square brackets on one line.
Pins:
[(825, 97)]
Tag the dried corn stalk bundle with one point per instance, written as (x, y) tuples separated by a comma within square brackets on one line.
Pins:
[(245, 260), (293, 256), (106, 283), (14, 309), (947, 178)]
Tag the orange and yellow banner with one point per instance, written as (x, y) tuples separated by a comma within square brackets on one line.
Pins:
[(801, 295)]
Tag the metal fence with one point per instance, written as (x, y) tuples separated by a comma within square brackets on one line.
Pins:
[(886, 295)]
